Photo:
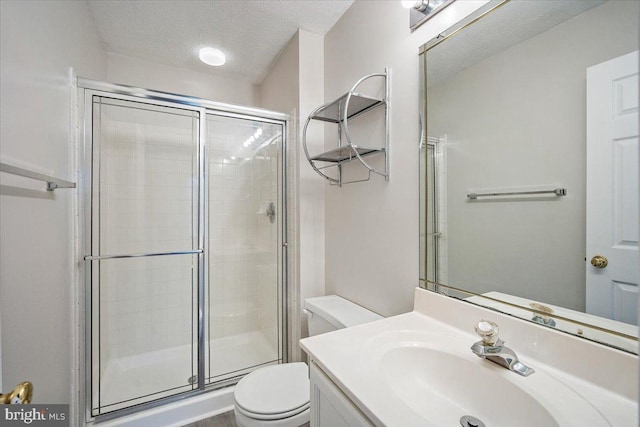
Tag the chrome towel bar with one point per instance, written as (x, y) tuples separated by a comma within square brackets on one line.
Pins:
[(148, 254), (556, 191), (52, 183)]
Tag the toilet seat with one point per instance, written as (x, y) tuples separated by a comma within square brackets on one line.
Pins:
[(272, 417), (274, 392), (301, 419)]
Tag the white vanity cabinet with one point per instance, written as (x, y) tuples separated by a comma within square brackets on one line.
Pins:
[(329, 405)]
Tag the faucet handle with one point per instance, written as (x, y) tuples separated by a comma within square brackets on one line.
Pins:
[(488, 331)]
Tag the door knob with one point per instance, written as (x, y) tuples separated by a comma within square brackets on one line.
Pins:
[(599, 261)]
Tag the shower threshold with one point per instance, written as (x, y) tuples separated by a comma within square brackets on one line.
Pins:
[(144, 377)]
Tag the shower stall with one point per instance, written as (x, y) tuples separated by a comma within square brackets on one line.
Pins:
[(184, 244), (433, 245)]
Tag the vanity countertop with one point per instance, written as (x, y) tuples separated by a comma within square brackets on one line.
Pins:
[(604, 380)]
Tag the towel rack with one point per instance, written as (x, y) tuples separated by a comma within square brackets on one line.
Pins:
[(556, 191), (52, 183)]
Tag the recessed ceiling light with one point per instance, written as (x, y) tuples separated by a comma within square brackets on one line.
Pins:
[(212, 56)]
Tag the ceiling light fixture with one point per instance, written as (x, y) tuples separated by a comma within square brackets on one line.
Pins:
[(422, 10), (212, 56)]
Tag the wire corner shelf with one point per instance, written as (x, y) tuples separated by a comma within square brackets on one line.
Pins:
[(348, 106)]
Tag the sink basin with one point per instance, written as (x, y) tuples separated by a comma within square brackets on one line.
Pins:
[(445, 387), (417, 369), (440, 380)]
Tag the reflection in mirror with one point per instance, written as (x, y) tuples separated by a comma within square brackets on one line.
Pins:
[(529, 164)]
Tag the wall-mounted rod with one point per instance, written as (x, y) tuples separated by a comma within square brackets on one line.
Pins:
[(52, 183), (556, 191)]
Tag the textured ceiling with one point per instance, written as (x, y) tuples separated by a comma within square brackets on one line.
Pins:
[(508, 26), (250, 32)]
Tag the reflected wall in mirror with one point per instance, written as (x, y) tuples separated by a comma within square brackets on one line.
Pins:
[(535, 96)]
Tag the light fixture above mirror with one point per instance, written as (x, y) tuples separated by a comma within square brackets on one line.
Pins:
[(422, 10)]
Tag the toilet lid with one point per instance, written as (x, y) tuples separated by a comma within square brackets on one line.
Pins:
[(274, 391)]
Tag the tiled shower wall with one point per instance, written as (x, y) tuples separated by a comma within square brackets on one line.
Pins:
[(146, 197), (267, 234), (148, 205), (243, 251)]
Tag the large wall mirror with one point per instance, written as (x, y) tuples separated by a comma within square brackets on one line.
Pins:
[(529, 164)]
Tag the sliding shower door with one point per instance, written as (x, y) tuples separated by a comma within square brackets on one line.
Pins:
[(430, 236), (185, 246), (431, 220), (244, 246), (144, 259)]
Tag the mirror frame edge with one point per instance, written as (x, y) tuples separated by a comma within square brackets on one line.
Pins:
[(440, 288)]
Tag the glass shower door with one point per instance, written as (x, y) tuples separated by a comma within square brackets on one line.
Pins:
[(144, 262), (429, 227), (432, 235), (244, 248)]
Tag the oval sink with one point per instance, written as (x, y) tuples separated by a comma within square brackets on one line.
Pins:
[(442, 387)]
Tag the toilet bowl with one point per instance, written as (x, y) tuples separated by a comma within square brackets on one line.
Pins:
[(279, 395), (276, 395)]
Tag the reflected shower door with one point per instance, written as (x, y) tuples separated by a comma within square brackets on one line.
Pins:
[(244, 246), (144, 259), (429, 231)]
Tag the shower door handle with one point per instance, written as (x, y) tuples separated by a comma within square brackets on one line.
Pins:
[(101, 257)]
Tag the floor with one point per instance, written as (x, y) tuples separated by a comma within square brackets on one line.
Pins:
[(228, 419)]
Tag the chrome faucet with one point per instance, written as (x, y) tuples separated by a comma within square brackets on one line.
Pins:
[(542, 313), (492, 348)]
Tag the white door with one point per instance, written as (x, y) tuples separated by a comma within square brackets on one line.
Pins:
[(612, 188)]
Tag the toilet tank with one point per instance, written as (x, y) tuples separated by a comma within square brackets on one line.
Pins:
[(331, 312)]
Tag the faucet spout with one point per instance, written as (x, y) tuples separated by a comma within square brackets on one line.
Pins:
[(495, 351)]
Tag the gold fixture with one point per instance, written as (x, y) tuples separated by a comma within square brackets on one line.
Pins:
[(21, 394), (541, 314), (541, 307), (599, 261)]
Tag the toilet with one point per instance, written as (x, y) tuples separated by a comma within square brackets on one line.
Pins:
[(279, 395)]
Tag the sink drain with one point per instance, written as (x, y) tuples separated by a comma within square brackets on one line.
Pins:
[(469, 421)]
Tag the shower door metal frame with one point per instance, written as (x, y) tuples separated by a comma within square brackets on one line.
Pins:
[(283, 208), (87, 90), (432, 167)]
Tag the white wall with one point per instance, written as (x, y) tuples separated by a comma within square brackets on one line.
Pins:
[(295, 85), (311, 188), (40, 41), (279, 90), (372, 227), (372, 260), (524, 124), (150, 75), (1, 347)]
